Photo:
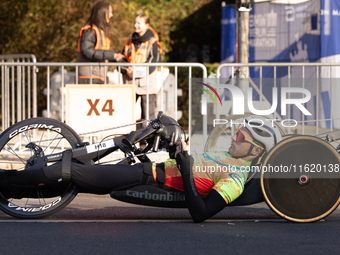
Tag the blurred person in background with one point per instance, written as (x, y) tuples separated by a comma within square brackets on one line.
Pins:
[(94, 45), (143, 47)]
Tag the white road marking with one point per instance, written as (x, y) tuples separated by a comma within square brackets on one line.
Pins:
[(142, 221)]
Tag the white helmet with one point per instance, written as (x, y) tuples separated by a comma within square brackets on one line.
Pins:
[(263, 130)]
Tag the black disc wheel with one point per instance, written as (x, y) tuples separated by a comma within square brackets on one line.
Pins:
[(300, 179), (35, 201)]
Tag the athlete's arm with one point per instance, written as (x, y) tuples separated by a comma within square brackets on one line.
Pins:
[(199, 209), (87, 44)]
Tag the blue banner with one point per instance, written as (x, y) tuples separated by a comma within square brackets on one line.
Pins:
[(330, 20), (302, 32), (284, 32), (330, 53), (228, 38)]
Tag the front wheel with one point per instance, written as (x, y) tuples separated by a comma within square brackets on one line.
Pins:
[(35, 201)]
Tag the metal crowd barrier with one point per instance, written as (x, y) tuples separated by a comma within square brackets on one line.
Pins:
[(18, 88), (65, 67)]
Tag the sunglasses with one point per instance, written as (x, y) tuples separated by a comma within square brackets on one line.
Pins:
[(245, 137)]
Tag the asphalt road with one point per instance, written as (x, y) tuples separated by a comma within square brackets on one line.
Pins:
[(100, 225)]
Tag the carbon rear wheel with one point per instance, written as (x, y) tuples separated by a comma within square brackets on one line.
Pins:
[(35, 201), (300, 179)]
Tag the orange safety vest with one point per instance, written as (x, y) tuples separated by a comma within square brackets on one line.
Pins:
[(141, 55), (104, 44)]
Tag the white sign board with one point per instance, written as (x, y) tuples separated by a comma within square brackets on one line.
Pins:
[(139, 71), (97, 107)]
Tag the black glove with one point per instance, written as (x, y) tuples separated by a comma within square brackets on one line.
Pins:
[(174, 140), (172, 151), (184, 164)]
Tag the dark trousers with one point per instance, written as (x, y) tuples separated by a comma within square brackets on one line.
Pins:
[(97, 178)]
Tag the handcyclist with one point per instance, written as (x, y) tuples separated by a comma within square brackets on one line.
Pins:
[(206, 192)]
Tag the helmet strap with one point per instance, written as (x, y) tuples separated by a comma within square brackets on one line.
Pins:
[(249, 152)]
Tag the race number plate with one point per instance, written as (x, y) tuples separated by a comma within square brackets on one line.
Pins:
[(100, 146)]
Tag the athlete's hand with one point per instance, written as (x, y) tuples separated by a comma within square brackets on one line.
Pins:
[(176, 147), (184, 162), (173, 147), (181, 147)]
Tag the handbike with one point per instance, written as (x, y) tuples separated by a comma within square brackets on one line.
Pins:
[(303, 197)]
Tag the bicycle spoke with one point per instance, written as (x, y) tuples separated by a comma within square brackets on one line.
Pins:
[(39, 193), (11, 151), (55, 139), (28, 140), (14, 190), (28, 197), (41, 137)]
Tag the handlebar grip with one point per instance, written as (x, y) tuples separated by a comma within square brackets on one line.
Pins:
[(156, 143), (142, 134)]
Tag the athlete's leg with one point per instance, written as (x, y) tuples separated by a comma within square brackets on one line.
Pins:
[(96, 177), (106, 177)]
